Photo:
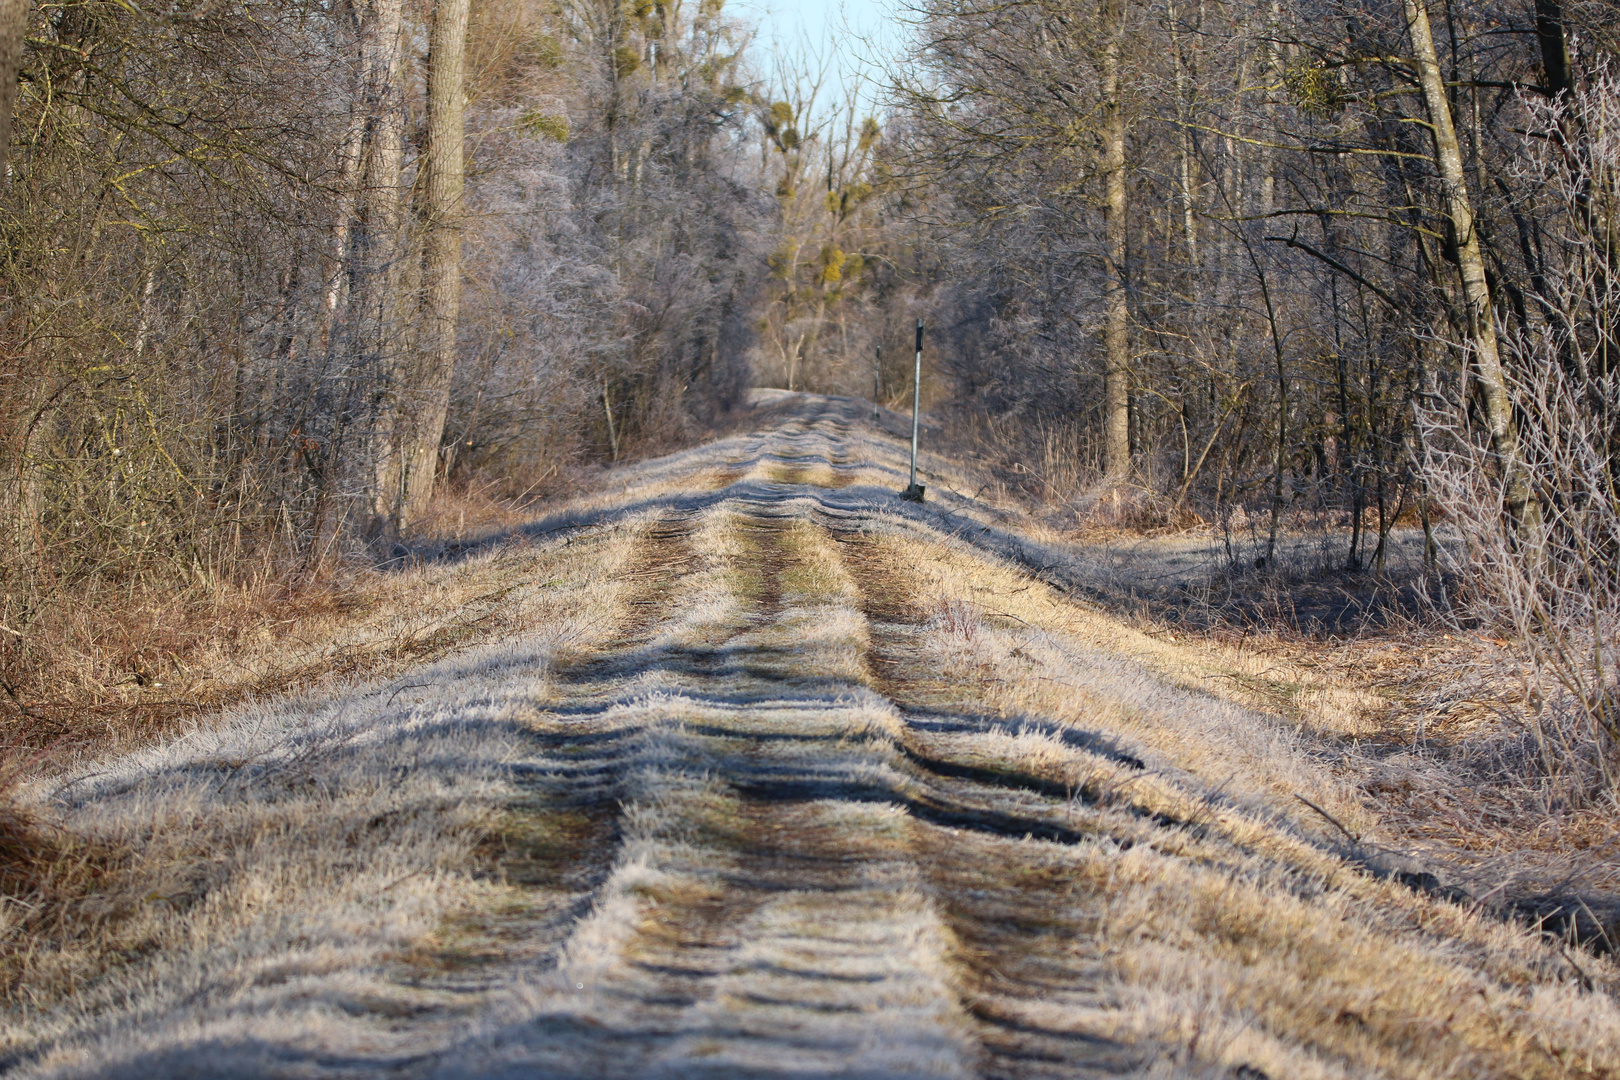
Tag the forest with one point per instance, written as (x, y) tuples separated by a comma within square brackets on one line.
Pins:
[(288, 286)]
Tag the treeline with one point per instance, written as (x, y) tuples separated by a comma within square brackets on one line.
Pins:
[(1346, 262), (1221, 251), (271, 269), (1248, 239)]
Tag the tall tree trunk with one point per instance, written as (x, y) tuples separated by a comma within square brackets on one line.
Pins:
[(1480, 324), (1554, 48), (1116, 314), (441, 250), (375, 246), (21, 492), (13, 25), (1185, 103), (350, 154)]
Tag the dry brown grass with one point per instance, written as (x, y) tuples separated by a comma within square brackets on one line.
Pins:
[(1236, 958), (113, 669), (290, 836), (43, 868), (1431, 723), (1428, 726), (476, 507), (112, 673)]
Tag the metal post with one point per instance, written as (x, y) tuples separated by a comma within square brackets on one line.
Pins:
[(914, 491), (877, 382)]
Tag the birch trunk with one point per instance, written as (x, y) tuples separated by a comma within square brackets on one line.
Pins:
[(1116, 313), (441, 251), (350, 153), (1188, 152), (1480, 324)]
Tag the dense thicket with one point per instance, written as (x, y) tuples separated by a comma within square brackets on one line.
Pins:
[(1345, 260), (1347, 263), (251, 311)]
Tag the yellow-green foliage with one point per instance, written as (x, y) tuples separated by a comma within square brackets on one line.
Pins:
[(652, 18), (832, 264), (713, 71), (870, 134), (626, 60), (779, 126), (1315, 89), (542, 125), (843, 203)]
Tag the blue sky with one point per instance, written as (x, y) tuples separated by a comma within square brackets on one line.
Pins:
[(786, 20), (832, 21)]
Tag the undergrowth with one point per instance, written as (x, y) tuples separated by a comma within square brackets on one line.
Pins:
[(105, 667)]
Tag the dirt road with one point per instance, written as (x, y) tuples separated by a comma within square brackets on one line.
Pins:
[(818, 784)]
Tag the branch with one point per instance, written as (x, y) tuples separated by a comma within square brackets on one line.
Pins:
[(1340, 267), (1304, 148)]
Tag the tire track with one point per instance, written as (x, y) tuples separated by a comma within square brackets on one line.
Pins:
[(817, 862), (556, 842), (885, 842), (771, 825), (1021, 936), (737, 954)]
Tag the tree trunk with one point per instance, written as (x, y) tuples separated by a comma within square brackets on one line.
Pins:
[(1116, 314), (350, 155), (1480, 324), (21, 494), (1188, 152), (1554, 48), (375, 244), (13, 26), (441, 250)]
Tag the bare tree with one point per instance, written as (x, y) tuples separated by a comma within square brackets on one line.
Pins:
[(1478, 309)]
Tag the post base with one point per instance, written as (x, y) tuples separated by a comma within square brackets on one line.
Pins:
[(914, 493)]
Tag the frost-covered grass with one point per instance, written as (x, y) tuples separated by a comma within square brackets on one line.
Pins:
[(791, 777)]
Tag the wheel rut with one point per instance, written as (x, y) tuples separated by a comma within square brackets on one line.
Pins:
[(1022, 957), (802, 879), (555, 843)]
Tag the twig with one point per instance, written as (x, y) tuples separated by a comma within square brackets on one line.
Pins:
[(402, 880), (57, 794), (1331, 819), (1586, 980), (402, 689)]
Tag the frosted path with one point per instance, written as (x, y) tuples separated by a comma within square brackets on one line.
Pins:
[(800, 781)]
